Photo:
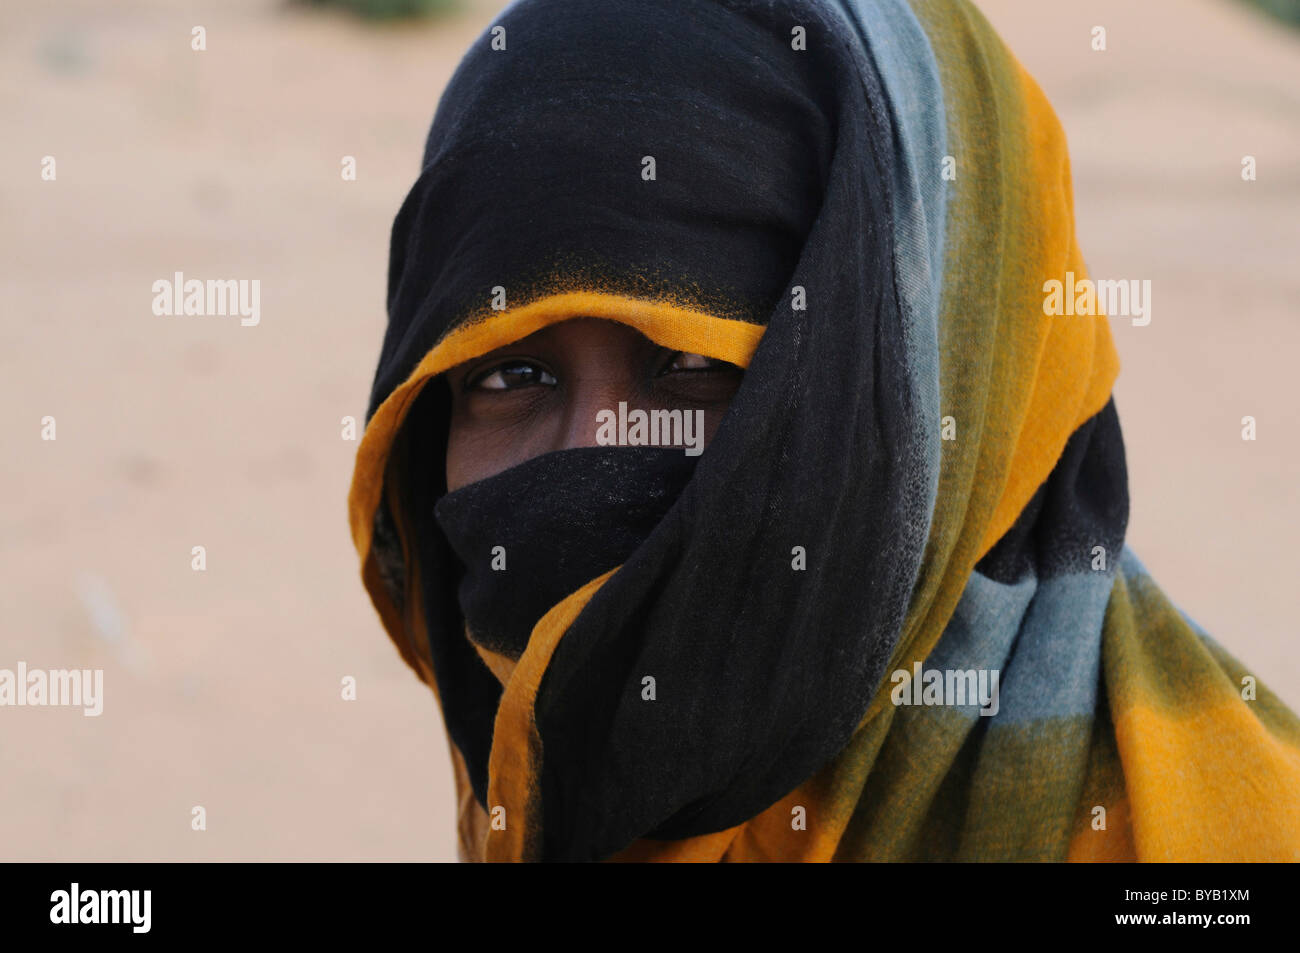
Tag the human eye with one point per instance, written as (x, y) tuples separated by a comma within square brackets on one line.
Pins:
[(682, 361), (510, 375)]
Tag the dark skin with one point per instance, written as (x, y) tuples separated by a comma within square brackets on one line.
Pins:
[(543, 393)]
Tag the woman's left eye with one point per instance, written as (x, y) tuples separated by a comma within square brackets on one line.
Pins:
[(681, 361)]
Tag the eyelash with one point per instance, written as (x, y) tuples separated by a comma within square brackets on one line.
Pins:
[(712, 364), (475, 380)]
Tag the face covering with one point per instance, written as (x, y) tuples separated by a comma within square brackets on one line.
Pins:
[(531, 535)]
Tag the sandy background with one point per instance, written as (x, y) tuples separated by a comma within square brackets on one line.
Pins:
[(222, 687)]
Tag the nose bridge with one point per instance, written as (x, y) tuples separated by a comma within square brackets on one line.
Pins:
[(587, 397)]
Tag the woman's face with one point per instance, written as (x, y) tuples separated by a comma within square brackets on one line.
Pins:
[(544, 392)]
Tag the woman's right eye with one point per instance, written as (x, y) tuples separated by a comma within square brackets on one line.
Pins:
[(511, 375)]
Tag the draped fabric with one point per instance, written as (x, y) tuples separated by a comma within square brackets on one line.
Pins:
[(860, 202)]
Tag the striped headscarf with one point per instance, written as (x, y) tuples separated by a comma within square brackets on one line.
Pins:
[(918, 491)]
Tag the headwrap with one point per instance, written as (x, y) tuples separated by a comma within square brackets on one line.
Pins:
[(860, 202)]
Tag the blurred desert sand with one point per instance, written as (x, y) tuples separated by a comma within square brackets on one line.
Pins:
[(222, 687)]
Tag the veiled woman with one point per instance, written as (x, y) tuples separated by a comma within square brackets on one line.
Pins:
[(888, 612)]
